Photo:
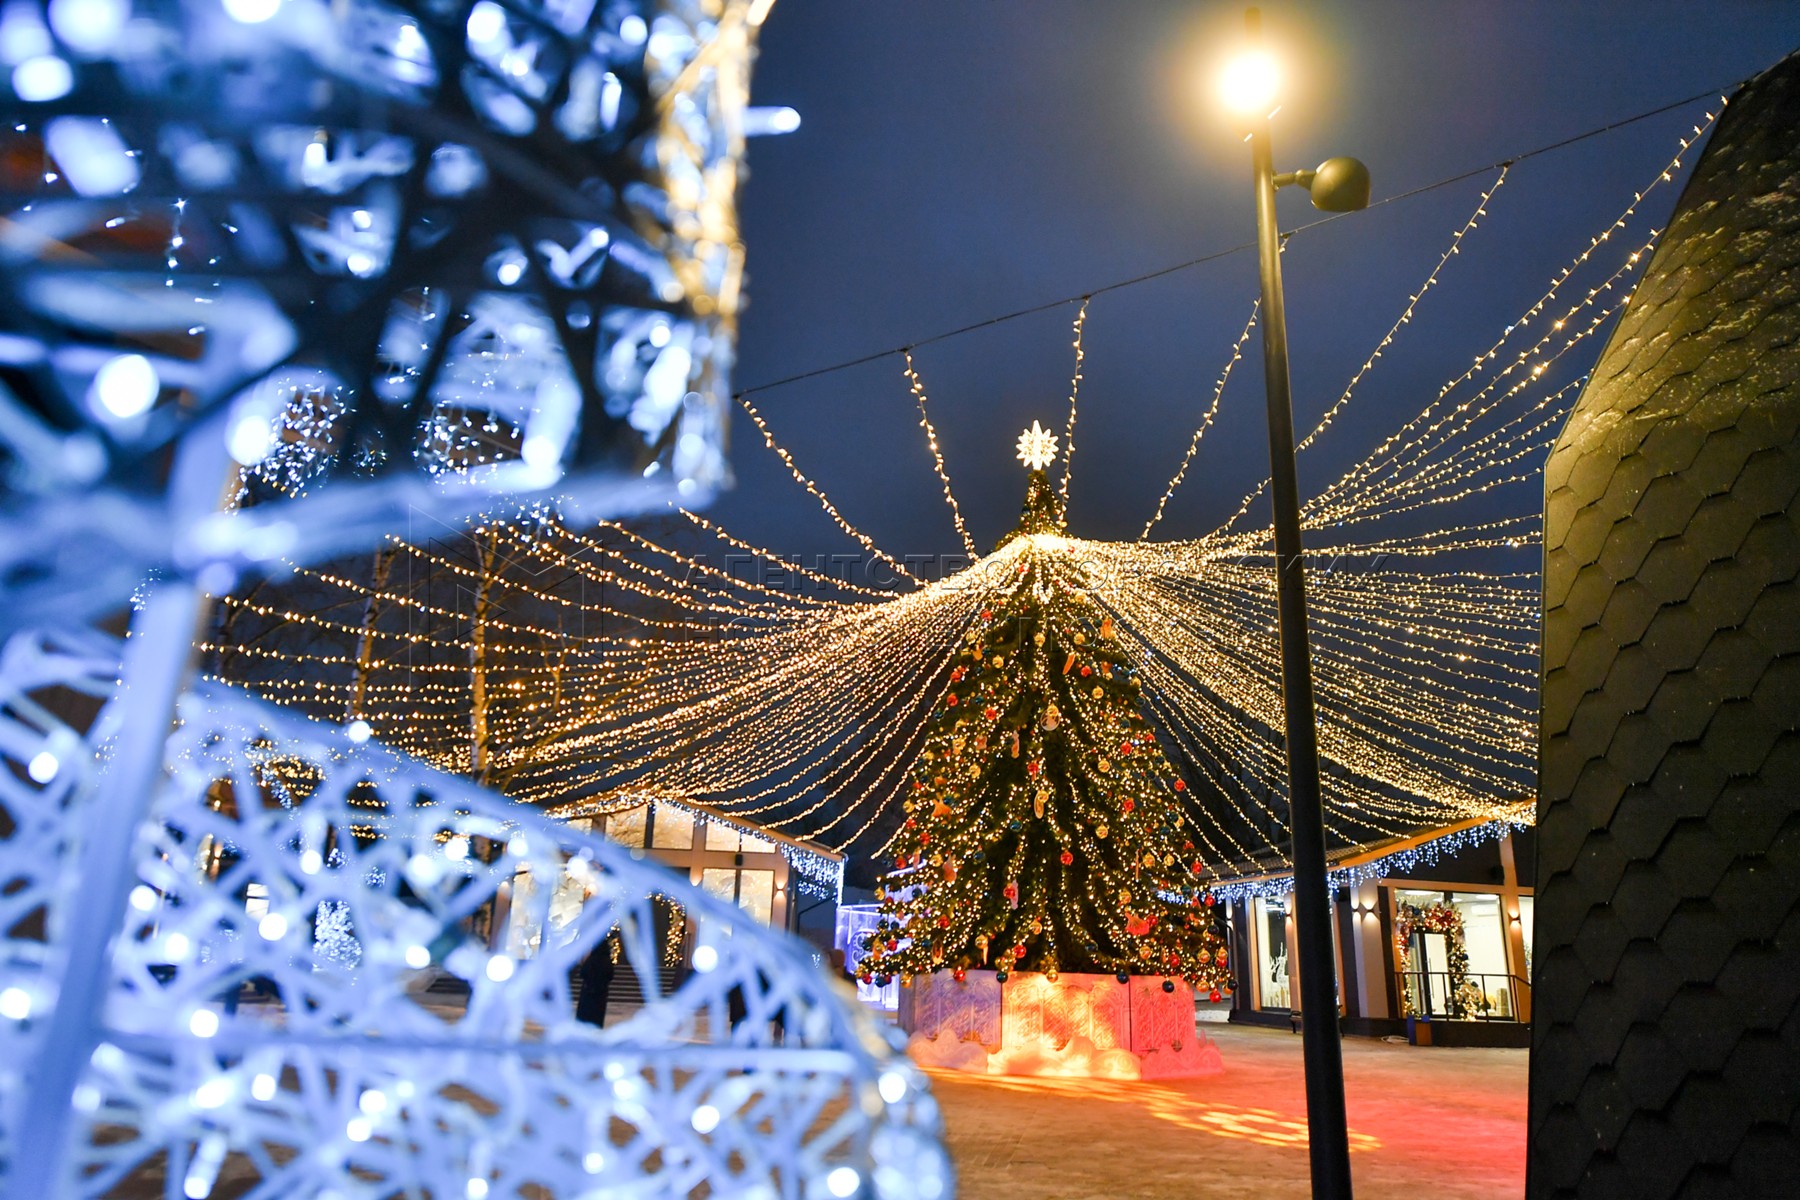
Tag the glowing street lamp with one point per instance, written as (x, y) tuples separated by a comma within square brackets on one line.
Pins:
[(1251, 82), (1251, 86)]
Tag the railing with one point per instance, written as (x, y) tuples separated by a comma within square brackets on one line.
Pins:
[(1475, 996)]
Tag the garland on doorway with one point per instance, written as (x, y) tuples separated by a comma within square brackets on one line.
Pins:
[(1442, 919)]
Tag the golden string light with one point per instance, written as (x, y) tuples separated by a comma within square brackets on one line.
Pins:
[(619, 664), (813, 489), (1379, 456), (1206, 420), (1406, 314), (937, 455), (1062, 488)]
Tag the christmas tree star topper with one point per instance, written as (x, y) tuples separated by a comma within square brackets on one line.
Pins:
[(1037, 447)]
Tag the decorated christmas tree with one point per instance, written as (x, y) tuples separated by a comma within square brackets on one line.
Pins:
[(1044, 826)]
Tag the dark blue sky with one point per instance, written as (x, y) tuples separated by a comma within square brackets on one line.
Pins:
[(964, 158)]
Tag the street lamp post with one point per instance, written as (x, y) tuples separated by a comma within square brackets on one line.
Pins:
[(1339, 185)]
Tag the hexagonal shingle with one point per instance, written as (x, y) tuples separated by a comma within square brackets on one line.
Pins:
[(1727, 592), (1672, 568), (1769, 481), (1772, 546), (1687, 782), (1682, 706), (1740, 736), (1767, 1161), (1586, 533), (1637, 748), (1588, 659), (1677, 636), (1774, 619), (1721, 524), (1634, 676), (1668, 504), (1721, 456), (1588, 595), (1671, 446), (1733, 663)]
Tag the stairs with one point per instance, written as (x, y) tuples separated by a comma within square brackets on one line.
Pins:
[(627, 988)]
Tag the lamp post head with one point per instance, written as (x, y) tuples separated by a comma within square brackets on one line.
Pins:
[(1340, 185)]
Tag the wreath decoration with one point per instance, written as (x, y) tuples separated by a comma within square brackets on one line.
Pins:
[(1445, 920)]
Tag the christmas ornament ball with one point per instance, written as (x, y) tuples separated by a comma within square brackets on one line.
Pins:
[(1123, 977), (1168, 985)]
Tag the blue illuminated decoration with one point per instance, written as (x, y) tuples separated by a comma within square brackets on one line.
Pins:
[(1412, 858), (275, 276)]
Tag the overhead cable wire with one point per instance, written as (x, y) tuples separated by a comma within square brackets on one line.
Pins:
[(1087, 294)]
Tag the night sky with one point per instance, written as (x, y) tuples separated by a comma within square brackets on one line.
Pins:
[(961, 159)]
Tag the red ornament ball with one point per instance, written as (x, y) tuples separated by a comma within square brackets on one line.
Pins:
[(1180, 786), (1129, 805), (990, 712), (1086, 671), (1215, 997), (1067, 858), (950, 700)]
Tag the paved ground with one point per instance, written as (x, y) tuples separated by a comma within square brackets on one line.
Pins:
[(1424, 1122)]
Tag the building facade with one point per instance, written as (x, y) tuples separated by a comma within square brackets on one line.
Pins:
[(1427, 932), (775, 879)]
